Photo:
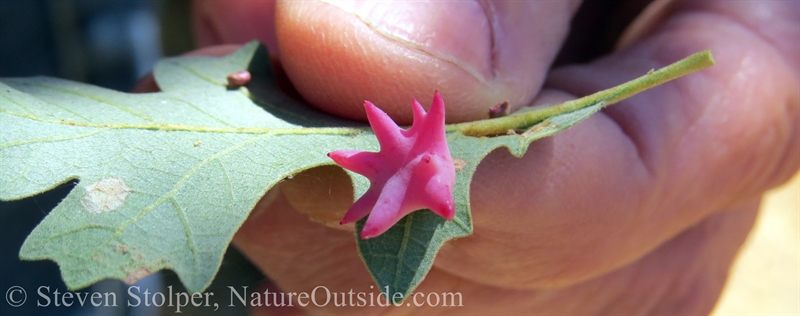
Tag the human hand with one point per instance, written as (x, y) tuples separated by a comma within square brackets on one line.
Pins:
[(638, 210)]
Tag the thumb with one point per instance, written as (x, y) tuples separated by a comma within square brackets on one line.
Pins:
[(476, 53)]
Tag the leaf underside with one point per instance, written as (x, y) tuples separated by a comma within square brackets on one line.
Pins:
[(166, 179)]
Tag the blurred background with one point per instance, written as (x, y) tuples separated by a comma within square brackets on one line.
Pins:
[(765, 278), (113, 43)]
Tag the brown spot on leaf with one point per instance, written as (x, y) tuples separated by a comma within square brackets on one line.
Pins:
[(137, 256), (459, 163), (197, 143), (121, 248), (105, 195), (538, 128), (136, 275)]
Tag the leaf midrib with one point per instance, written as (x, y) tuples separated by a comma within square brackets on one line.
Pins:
[(203, 129)]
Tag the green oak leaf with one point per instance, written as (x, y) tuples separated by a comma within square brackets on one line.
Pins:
[(166, 179)]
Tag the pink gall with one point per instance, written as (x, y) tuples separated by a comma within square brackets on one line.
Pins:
[(412, 171)]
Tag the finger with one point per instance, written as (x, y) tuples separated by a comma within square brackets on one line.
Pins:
[(611, 189), (322, 193), (234, 22), (688, 272), (683, 276), (146, 84), (477, 54), (299, 254)]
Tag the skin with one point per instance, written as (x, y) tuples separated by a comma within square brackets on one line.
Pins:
[(638, 210)]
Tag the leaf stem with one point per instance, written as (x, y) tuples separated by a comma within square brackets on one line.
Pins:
[(500, 126)]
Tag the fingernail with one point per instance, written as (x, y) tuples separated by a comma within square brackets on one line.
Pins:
[(458, 32)]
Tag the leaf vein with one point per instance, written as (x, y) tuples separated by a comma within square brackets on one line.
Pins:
[(189, 234), (183, 181), (48, 139), (196, 73), (403, 246), (228, 179), (205, 129), (214, 117), (81, 228), (96, 98)]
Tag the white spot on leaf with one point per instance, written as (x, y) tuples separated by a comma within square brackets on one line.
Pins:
[(105, 195), (459, 163)]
